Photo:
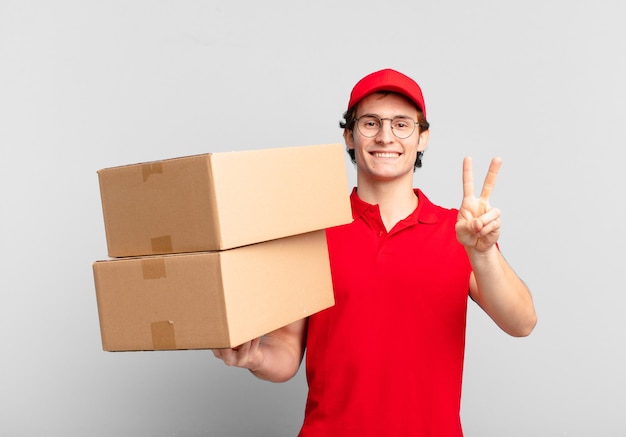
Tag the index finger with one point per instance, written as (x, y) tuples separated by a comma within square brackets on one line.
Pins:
[(468, 178), (490, 179)]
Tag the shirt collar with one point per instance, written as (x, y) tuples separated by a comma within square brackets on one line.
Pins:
[(426, 211)]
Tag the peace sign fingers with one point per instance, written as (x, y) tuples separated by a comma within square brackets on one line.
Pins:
[(490, 179), (478, 224)]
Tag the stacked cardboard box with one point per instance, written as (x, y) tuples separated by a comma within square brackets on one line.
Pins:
[(213, 250)]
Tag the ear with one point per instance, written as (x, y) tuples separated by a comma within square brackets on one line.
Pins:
[(348, 137), (423, 140)]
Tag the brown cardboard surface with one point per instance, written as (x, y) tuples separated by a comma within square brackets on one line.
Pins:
[(223, 200), (211, 300)]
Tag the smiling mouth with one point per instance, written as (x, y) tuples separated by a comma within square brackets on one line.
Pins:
[(385, 154)]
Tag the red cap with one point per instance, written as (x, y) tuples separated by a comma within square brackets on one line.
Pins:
[(387, 80)]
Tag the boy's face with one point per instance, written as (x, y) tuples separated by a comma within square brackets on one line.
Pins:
[(385, 157)]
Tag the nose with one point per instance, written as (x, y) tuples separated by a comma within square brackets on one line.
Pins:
[(385, 134)]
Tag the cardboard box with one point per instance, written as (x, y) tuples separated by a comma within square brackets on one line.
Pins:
[(211, 299), (223, 200)]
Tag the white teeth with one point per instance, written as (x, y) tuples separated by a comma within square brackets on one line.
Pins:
[(385, 155)]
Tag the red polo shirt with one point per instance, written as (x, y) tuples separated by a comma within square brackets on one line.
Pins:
[(387, 359)]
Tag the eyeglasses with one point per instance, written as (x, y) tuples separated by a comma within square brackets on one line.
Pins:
[(369, 125)]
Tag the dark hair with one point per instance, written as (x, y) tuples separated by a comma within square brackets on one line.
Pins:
[(349, 118)]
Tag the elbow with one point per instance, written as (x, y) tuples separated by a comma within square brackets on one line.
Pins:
[(282, 372), (281, 377), (525, 328)]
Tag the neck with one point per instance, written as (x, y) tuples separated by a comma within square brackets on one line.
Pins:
[(395, 199)]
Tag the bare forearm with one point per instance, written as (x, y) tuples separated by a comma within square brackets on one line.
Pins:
[(501, 293), (280, 361)]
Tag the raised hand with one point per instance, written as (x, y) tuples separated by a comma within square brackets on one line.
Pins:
[(478, 224)]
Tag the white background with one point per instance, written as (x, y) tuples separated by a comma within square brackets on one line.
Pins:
[(88, 84)]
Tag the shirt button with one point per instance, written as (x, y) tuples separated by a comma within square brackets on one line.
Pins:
[(380, 233)]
